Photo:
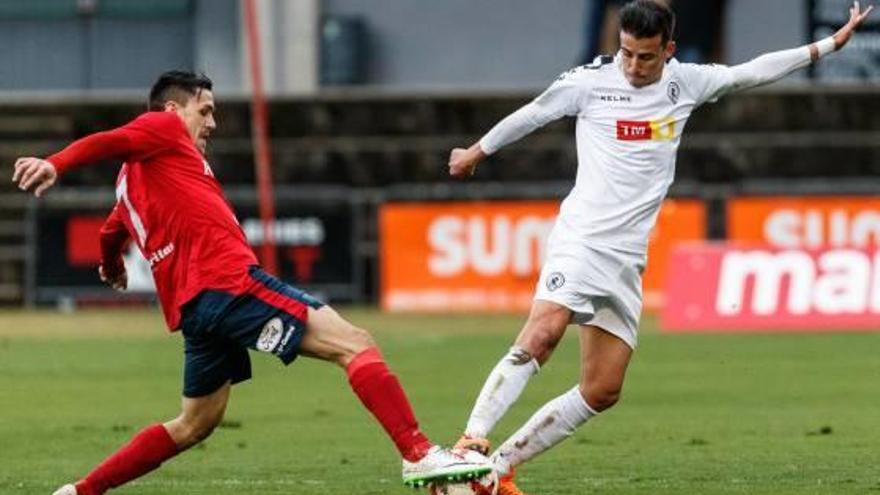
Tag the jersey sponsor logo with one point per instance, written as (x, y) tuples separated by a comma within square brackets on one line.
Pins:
[(611, 98), (673, 91), (160, 254), (646, 130), (555, 281), (271, 336)]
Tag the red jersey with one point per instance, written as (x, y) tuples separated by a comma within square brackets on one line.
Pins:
[(171, 206)]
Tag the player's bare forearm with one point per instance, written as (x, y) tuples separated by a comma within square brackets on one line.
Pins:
[(463, 162)]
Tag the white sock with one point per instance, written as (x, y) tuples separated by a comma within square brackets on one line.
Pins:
[(503, 386), (553, 423)]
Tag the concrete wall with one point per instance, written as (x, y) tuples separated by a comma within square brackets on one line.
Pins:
[(217, 43), (414, 44), (757, 26), (522, 43), (463, 43)]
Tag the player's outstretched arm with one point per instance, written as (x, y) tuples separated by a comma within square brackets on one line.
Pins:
[(562, 98), (40, 174), (463, 162), (773, 66)]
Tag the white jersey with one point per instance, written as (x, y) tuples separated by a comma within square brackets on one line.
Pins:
[(628, 138)]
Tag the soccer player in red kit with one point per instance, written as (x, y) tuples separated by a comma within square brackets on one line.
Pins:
[(211, 288)]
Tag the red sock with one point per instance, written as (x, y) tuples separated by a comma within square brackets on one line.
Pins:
[(146, 451), (382, 394)]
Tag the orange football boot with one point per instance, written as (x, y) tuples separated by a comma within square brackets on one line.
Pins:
[(506, 486)]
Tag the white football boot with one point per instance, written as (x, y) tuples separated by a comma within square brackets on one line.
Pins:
[(66, 490), (441, 464)]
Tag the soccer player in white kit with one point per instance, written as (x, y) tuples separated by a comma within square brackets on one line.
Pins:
[(631, 110)]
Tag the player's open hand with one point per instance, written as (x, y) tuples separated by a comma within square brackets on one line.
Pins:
[(856, 18), (31, 172), (116, 277), (463, 162)]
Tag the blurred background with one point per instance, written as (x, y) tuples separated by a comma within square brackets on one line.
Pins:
[(367, 97)]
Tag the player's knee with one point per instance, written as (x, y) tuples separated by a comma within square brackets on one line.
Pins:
[(540, 342), (191, 430), (600, 396), (361, 339), (202, 431), (543, 332), (356, 341)]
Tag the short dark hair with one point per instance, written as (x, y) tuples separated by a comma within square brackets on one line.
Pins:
[(647, 18), (178, 86)]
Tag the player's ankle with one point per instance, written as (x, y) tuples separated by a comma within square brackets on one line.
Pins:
[(418, 451), (84, 488)]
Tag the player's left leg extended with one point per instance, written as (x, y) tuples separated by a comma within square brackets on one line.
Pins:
[(330, 337), (604, 359), (534, 345), (155, 444)]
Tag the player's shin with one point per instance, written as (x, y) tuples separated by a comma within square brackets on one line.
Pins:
[(146, 451), (502, 388), (553, 423), (380, 392)]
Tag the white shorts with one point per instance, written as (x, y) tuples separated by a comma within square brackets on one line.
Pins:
[(602, 287)]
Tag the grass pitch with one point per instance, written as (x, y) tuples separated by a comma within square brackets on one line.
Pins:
[(701, 414)]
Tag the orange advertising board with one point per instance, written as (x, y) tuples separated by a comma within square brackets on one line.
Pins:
[(679, 220), (805, 222), (486, 256)]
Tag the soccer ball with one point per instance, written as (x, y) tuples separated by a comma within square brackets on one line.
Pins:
[(486, 485)]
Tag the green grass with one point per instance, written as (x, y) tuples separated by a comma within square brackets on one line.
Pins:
[(701, 414)]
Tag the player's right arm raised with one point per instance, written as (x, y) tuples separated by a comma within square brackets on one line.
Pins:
[(42, 174), (770, 67), (138, 138), (561, 99)]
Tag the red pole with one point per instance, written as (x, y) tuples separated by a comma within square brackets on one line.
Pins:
[(260, 136)]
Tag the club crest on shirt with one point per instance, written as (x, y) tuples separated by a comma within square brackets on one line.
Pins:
[(673, 91), (555, 281)]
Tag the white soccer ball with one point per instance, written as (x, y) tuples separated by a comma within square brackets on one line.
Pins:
[(486, 485)]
